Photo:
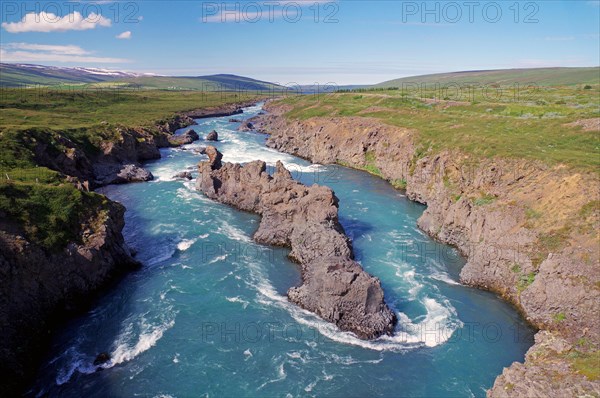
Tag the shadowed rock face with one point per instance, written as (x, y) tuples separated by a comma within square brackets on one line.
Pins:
[(334, 286), (39, 287)]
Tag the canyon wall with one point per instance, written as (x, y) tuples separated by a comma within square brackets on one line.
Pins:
[(528, 231)]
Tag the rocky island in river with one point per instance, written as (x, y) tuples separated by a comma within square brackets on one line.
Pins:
[(305, 219)]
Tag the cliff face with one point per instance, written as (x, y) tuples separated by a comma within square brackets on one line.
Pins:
[(334, 286), (39, 287), (117, 160), (527, 230)]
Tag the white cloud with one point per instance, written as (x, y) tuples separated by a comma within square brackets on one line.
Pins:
[(26, 52), (124, 36), (48, 22), (58, 49)]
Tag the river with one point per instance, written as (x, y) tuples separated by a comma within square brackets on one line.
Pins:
[(207, 315)]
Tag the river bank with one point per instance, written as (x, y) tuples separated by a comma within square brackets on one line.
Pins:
[(492, 211), (211, 301), (42, 287)]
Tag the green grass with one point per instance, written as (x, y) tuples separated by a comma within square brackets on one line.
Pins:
[(559, 317), (65, 109), (525, 281), (370, 164), (589, 208), (399, 184), (538, 76), (531, 214), (48, 209), (585, 363), (50, 214), (532, 124), (484, 200)]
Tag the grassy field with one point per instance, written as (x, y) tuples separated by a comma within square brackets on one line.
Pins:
[(543, 77), (48, 208), (533, 123)]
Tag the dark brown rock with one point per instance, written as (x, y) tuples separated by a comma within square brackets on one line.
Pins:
[(186, 175), (212, 136), (40, 288), (246, 126), (102, 358), (557, 292), (187, 137), (335, 287)]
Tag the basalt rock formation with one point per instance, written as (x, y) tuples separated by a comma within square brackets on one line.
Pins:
[(40, 287), (187, 137), (212, 136), (334, 286), (527, 230)]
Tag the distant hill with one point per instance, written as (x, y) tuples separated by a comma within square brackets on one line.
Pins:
[(538, 76), (15, 75), (204, 83), (19, 75)]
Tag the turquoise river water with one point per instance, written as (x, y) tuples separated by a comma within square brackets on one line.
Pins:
[(207, 315)]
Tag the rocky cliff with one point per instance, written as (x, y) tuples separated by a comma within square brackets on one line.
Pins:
[(40, 287), (528, 231), (334, 286), (115, 160)]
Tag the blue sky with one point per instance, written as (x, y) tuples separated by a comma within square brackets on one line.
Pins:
[(346, 42)]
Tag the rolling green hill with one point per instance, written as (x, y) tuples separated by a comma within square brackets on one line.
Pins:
[(203, 83), (20, 75), (17, 75), (537, 76)]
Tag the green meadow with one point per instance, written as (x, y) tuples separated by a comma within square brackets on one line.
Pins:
[(38, 200), (530, 122)]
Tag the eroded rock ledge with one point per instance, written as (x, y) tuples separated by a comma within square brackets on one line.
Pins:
[(334, 286), (484, 207)]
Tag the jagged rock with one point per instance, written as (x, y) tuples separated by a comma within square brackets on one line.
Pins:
[(184, 175), (102, 358), (120, 174), (201, 150), (214, 157), (497, 238), (233, 120), (40, 287), (247, 126), (335, 287), (133, 173), (187, 137), (212, 136)]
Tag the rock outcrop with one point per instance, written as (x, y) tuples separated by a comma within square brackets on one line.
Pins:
[(527, 229), (212, 136), (185, 175), (246, 126), (334, 286), (119, 158), (187, 137), (40, 287)]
